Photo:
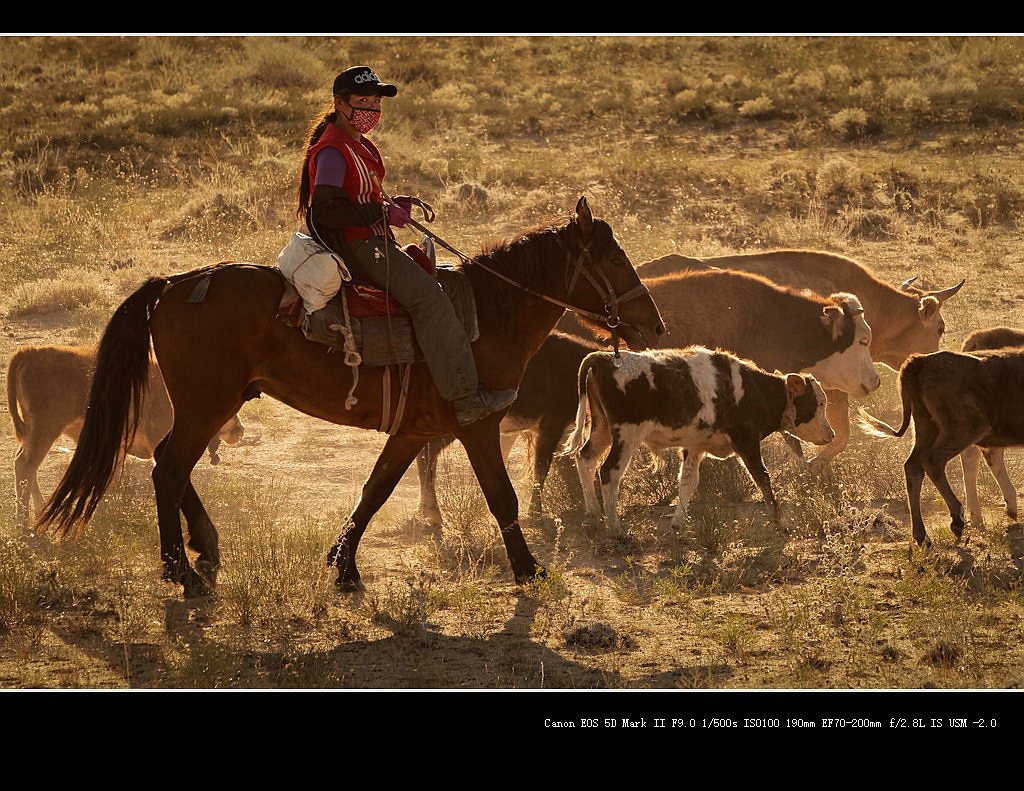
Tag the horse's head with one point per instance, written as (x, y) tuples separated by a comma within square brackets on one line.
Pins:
[(604, 284)]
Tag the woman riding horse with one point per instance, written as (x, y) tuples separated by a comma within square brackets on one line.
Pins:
[(341, 202)]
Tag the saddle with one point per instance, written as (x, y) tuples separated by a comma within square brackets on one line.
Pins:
[(380, 329)]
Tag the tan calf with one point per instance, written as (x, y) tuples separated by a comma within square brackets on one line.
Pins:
[(47, 392)]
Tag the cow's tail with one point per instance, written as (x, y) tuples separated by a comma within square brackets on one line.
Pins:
[(14, 374), (112, 416), (578, 438), (878, 428)]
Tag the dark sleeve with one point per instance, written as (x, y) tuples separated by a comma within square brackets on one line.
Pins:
[(330, 210)]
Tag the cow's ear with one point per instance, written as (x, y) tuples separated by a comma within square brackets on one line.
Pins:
[(929, 307), (795, 384), (584, 219), (832, 316)]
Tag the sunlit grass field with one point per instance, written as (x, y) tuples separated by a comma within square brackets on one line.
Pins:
[(126, 157)]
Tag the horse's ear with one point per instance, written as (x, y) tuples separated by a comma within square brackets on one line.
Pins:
[(584, 219)]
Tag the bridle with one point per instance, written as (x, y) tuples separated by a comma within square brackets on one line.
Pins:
[(604, 287), (612, 300)]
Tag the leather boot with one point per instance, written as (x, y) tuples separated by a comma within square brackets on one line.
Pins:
[(471, 408)]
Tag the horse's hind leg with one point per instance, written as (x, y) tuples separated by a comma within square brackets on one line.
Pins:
[(176, 455), (428, 511), (202, 535), (398, 453)]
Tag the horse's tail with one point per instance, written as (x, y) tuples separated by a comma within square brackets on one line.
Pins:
[(14, 374), (122, 373), (578, 438)]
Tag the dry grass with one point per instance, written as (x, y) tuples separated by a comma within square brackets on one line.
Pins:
[(168, 153)]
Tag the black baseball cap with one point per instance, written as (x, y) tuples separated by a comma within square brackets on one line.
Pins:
[(362, 81)]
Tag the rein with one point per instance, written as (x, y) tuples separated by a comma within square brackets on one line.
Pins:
[(612, 300)]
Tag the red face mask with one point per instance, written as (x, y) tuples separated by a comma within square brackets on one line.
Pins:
[(364, 120)]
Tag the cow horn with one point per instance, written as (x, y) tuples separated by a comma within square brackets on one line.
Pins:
[(906, 283), (946, 293)]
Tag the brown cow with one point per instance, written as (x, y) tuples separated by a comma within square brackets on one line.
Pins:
[(707, 402), (47, 393), (904, 321), (774, 327), (956, 400), (993, 338)]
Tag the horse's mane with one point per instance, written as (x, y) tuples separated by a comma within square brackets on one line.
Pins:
[(527, 255), (530, 255), (494, 249)]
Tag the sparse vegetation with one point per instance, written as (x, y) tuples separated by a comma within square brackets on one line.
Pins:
[(129, 156)]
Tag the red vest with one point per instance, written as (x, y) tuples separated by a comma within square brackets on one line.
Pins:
[(363, 161)]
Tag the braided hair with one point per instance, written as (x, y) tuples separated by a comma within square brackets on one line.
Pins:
[(305, 188)]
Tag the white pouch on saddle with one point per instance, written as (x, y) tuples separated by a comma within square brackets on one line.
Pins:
[(316, 272)]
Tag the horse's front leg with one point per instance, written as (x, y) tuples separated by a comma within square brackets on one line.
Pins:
[(398, 453), (483, 446)]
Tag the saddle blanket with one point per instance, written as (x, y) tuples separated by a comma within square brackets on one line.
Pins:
[(381, 329)]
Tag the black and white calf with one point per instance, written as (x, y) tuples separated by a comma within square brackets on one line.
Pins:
[(710, 403)]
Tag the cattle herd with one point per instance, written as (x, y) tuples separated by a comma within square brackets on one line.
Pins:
[(756, 343), (734, 323)]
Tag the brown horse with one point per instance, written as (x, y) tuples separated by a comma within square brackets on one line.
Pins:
[(218, 352)]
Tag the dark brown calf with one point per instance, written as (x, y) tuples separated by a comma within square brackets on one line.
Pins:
[(993, 338), (544, 409), (956, 401), (707, 402)]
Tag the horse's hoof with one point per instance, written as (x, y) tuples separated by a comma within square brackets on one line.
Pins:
[(539, 573), (197, 587), (349, 585), (208, 572)]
